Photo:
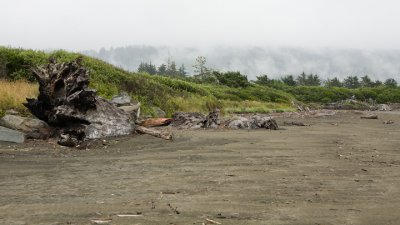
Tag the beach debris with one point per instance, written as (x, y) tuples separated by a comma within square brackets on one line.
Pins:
[(253, 122), (66, 103), (384, 107), (372, 116), (156, 133), (33, 128), (212, 120), (388, 122), (212, 221), (195, 120), (155, 122), (101, 221), (129, 215), (174, 209), (186, 120), (293, 123)]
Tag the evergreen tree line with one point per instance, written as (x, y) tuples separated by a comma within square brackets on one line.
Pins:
[(169, 69), (204, 74), (314, 80)]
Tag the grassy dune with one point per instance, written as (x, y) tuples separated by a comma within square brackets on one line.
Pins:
[(169, 94)]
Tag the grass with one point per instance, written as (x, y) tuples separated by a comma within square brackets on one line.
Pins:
[(171, 94), (14, 93), (254, 107), (167, 93)]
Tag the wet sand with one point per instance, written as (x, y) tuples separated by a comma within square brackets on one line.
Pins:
[(340, 170)]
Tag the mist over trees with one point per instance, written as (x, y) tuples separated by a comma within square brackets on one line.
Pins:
[(253, 61), (238, 67)]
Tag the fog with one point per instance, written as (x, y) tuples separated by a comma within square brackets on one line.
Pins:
[(329, 37), (253, 61)]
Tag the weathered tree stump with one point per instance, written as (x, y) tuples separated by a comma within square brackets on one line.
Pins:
[(67, 103)]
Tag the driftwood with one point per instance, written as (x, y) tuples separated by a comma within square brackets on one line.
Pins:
[(193, 120), (388, 122), (373, 117), (254, 122), (212, 120), (186, 120), (155, 122), (67, 103), (294, 123), (155, 133)]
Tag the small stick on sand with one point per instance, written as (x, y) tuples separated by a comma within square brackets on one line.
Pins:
[(213, 221)]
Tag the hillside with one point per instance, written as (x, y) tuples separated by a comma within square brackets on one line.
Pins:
[(253, 61), (153, 91)]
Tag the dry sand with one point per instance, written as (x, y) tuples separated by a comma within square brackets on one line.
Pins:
[(340, 170)]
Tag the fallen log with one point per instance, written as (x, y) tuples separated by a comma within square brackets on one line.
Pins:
[(66, 103), (373, 117), (254, 122), (155, 133), (294, 123), (154, 122)]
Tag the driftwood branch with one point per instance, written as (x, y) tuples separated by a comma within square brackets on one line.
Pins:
[(155, 133)]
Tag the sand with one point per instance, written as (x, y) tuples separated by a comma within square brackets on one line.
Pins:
[(340, 170)]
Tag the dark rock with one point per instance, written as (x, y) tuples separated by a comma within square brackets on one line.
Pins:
[(9, 135), (159, 113), (123, 99), (33, 128)]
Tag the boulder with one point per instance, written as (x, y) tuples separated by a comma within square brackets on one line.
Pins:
[(133, 109), (159, 113), (33, 128), (9, 135), (384, 107), (122, 99)]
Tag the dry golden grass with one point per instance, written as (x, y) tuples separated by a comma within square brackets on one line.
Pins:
[(14, 93)]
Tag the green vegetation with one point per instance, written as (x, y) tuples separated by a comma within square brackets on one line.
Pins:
[(173, 91), (170, 94)]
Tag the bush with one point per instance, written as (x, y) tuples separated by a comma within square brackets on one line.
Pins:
[(232, 79)]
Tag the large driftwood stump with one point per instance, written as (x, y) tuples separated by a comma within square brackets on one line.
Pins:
[(67, 103)]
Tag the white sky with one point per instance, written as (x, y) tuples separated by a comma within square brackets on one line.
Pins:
[(91, 24)]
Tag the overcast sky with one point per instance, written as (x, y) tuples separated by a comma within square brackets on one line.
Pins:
[(91, 24)]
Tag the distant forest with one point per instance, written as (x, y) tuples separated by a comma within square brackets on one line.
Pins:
[(255, 61), (204, 74)]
